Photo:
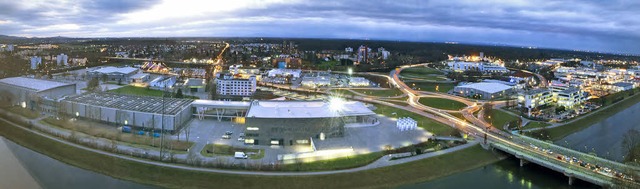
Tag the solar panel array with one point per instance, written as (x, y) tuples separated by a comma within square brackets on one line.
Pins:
[(172, 106)]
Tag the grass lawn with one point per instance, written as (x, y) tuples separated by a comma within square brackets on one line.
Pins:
[(226, 150), (442, 103), (591, 118), (404, 103), (420, 70), (424, 122), (428, 86), (499, 118), (386, 177), (334, 164), (535, 124), (426, 77), (380, 93), (142, 91), (130, 139), (23, 112), (457, 115)]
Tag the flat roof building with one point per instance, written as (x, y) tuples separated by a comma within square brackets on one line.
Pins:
[(110, 73), (35, 94), (138, 111), (483, 90), (298, 122)]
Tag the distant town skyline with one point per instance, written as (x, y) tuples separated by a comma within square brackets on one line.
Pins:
[(603, 26)]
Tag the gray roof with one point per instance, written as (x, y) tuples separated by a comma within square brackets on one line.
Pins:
[(536, 91), (570, 90), (623, 84), (37, 85), (147, 104)]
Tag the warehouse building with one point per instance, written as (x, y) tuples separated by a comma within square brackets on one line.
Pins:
[(483, 90), (35, 94), (116, 74), (285, 123), (149, 113)]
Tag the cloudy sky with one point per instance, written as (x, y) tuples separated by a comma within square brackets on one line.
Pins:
[(596, 25)]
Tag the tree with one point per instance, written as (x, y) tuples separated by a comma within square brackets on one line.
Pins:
[(631, 145), (104, 77), (93, 84), (179, 94)]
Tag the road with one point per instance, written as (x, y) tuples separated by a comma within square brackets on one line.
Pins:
[(491, 134)]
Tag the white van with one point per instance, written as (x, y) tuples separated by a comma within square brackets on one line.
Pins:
[(240, 155)]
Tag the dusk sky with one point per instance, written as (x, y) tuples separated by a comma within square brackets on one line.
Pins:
[(597, 25)]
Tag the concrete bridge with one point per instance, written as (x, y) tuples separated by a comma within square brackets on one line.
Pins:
[(571, 170)]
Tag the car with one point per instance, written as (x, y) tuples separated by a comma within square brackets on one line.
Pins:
[(241, 138), (241, 134), (226, 136), (228, 133)]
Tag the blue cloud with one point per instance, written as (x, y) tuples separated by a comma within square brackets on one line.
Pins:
[(608, 26)]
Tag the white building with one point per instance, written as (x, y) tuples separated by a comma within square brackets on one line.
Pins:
[(295, 73), (534, 98), (315, 81), (570, 97), (348, 50), (462, 66), (358, 82), (62, 59), (79, 61), (621, 86), (163, 82), (35, 61), (483, 90), (227, 85), (385, 54)]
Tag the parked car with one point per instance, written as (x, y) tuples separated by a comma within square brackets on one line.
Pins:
[(225, 136)]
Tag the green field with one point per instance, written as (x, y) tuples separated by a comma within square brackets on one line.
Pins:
[(442, 103), (536, 124), (428, 86), (380, 93), (386, 177), (335, 164), (591, 118), (420, 70), (424, 122), (226, 150), (23, 112), (142, 91), (457, 115), (499, 118), (409, 77)]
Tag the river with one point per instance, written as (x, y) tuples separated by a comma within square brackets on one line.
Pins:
[(605, 137), (30, 169)]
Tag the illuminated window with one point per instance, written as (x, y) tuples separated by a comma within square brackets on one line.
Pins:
[(302, 141), (253, 128), (275, 142), (249, 141)]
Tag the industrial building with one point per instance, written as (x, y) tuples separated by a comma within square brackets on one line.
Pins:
[(483, 90), (144, 112), (35, 94), (287, 123), (117, 74)]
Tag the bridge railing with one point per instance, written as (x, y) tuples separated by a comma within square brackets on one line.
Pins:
[(584, 156), (557, 165)]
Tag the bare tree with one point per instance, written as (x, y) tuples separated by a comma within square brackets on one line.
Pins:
[(631, 145)]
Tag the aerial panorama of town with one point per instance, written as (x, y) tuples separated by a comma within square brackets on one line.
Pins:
[(168, 111)]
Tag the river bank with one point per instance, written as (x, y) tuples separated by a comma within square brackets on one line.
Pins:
[(413, 172)]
